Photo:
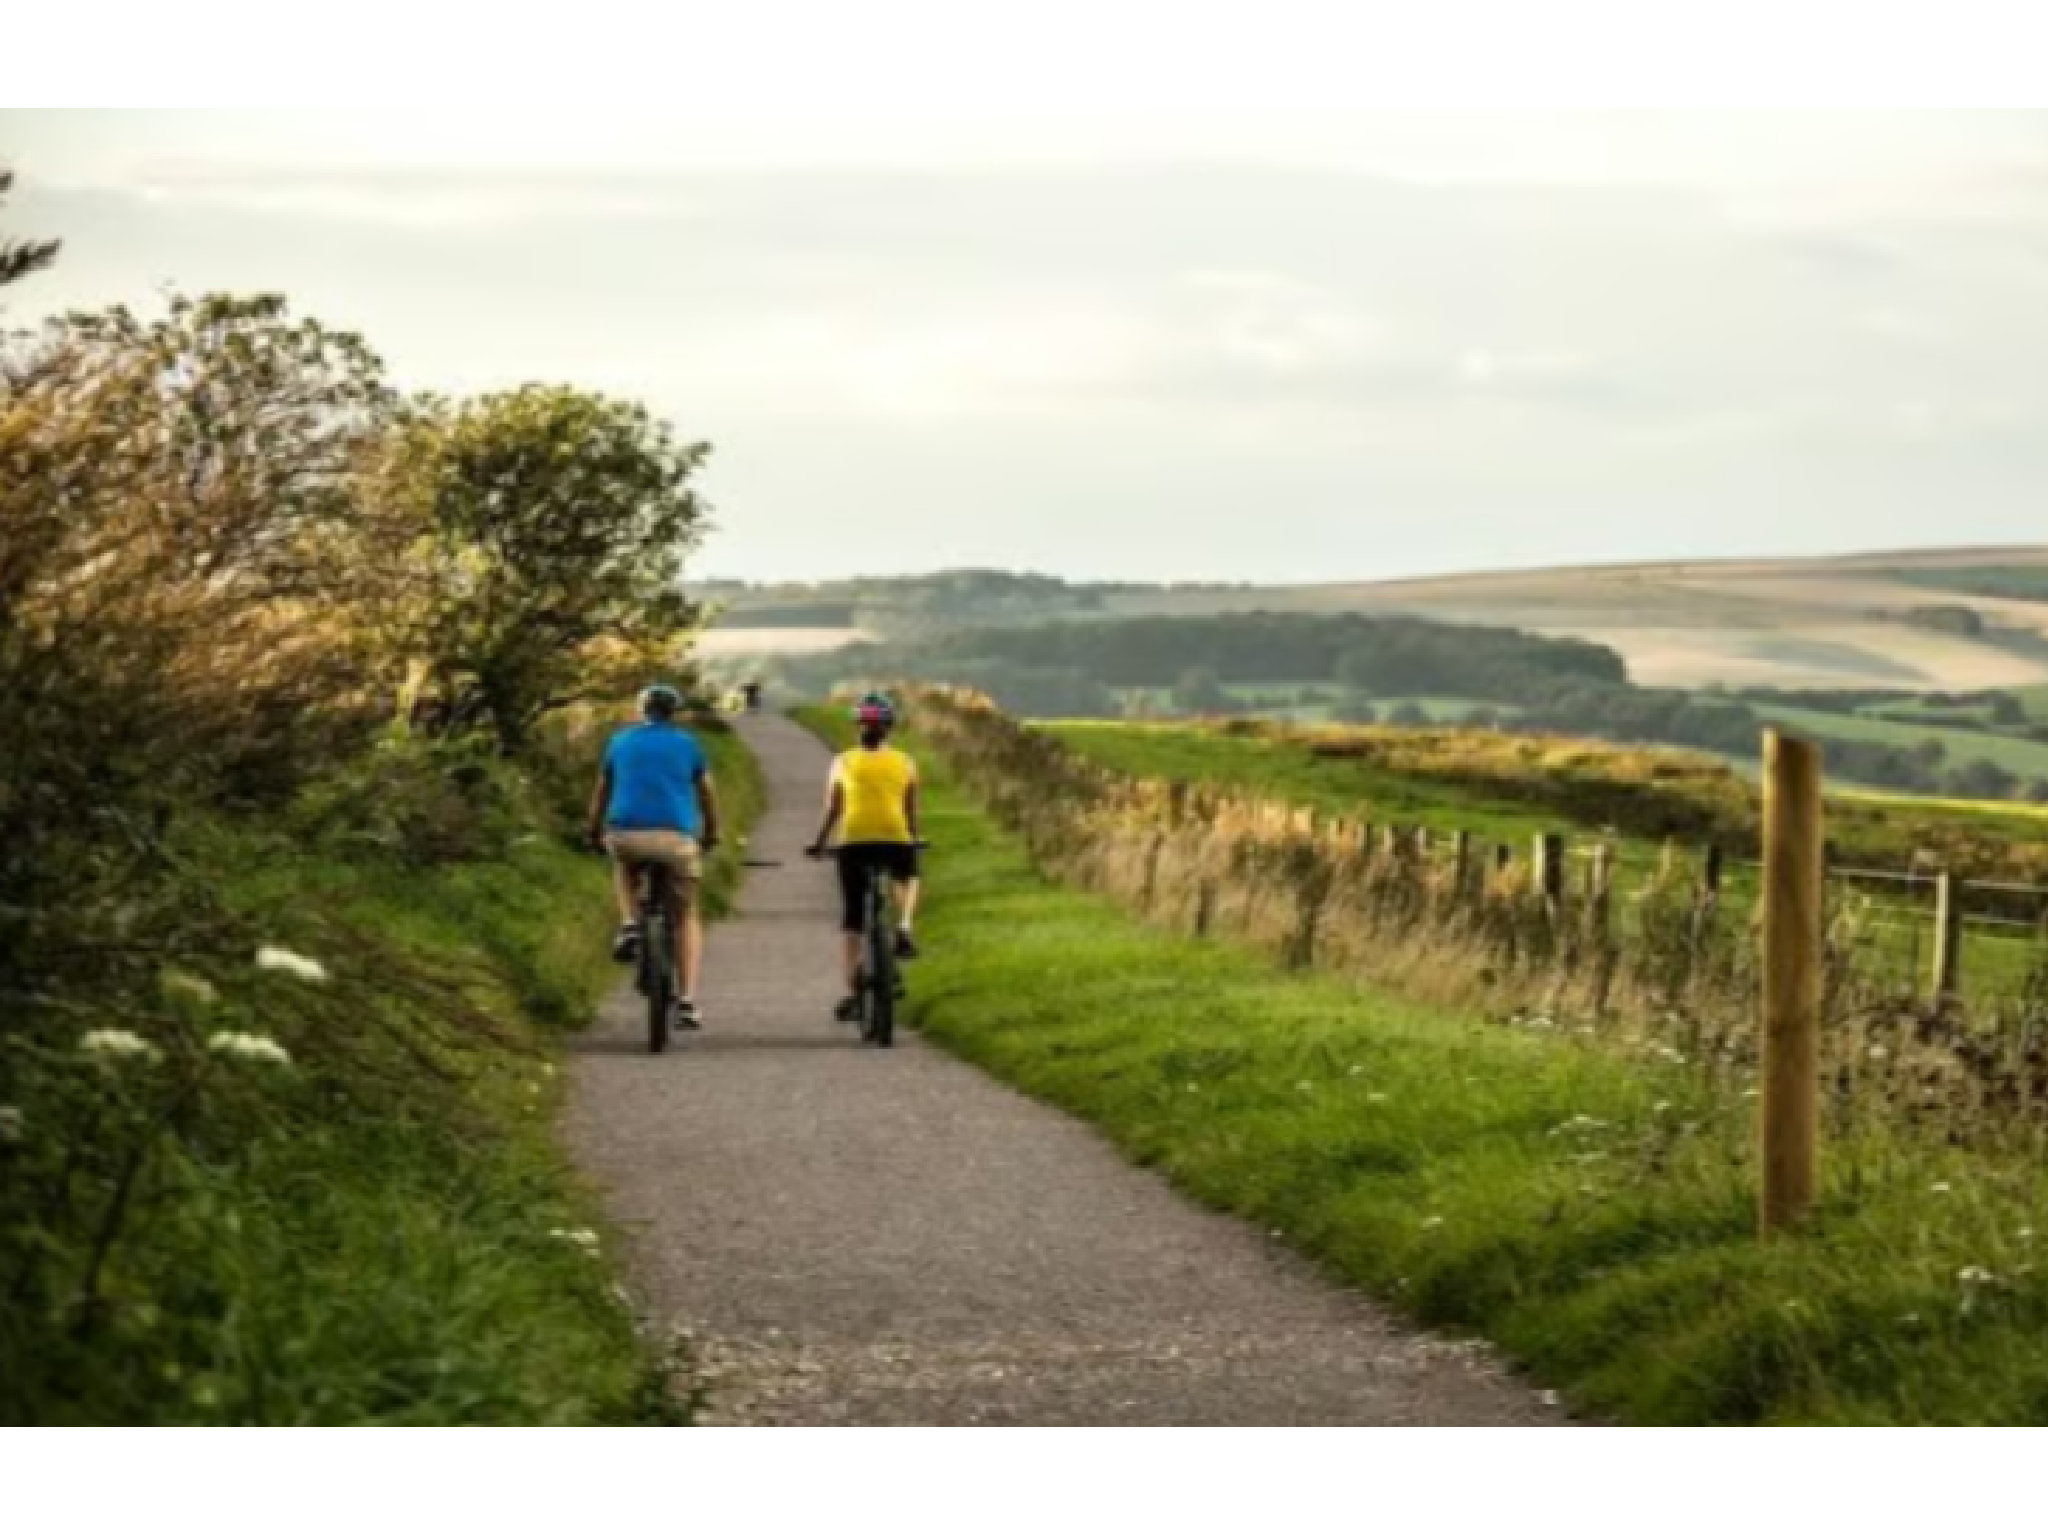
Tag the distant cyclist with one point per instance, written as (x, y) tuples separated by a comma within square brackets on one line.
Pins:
[(873, 802), (656, 803)]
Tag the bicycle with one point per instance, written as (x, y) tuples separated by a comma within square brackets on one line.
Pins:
[(660, 978), (879, 985)]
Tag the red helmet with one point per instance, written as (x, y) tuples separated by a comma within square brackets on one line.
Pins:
[(875, 709)]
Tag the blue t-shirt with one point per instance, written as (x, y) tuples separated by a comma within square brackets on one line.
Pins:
[(654, 770)]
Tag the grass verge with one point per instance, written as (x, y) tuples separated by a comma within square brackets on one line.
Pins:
[(1590, 1213), (383, 1231)]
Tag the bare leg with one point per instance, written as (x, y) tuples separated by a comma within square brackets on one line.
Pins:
[(854, 945), (690, 947), (628, 892), (907, 895)]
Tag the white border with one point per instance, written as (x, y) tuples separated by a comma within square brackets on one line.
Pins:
[(1059, 56)]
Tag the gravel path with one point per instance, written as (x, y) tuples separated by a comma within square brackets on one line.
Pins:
[(858, 1238)]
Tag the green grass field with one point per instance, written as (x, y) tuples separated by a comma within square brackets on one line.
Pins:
[(1280, 701), (2027, 759), (1591, 1214), (1286, 773)]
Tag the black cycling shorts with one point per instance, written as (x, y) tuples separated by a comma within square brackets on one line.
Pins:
[(857, 866)]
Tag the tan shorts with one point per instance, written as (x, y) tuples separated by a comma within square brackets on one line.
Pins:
[(678, 853)]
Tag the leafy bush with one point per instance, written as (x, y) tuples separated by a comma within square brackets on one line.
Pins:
[(422, 800)]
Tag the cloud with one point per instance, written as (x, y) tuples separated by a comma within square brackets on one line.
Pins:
[(413, 200), (1247, 352)]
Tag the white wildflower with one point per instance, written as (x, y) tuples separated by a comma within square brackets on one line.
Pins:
[(1880, 1054), (13, 1125), (289, 964), (1305, 1087), (2026, 1234), (1977, 1278), (589, 1242), (1583, 1126), (251, 1048), (1942, 1189), (1434, 1224), (1661, 1111), (117, 1044), (1377, 1098)]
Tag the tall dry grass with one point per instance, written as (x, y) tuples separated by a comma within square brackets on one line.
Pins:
[(1659, 962)]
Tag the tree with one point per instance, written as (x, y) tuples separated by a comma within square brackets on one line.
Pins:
[(1354, 709), (173, 494), (1982, 779), (17, 259), (2007, 711), (1409, 716), (1201, 692), (1359, 672), (552, 529)]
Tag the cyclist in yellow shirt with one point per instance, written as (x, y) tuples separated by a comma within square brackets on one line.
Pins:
[(873, 802)]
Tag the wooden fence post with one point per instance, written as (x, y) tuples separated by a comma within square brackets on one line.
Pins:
[(1601, 907), (1948, 936), (1461, 882), (1795, 878), (1550, 870)]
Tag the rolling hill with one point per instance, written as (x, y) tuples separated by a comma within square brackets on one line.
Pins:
[(1870, 621)]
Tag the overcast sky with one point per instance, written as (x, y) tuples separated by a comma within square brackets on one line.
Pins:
[(1306, 346)]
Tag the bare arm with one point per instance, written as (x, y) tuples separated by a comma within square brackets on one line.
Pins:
[(835, 807), (600, 805), (913, 809)]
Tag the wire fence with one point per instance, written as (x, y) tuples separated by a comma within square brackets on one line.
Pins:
[(1935, 988)]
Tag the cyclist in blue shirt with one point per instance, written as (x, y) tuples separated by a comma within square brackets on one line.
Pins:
[(656, 803)]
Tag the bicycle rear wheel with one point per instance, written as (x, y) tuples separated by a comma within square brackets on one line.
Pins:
[(881, 972), (660, 942)]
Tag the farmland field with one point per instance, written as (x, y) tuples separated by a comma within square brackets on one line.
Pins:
[(726, 644), (2027, 759)]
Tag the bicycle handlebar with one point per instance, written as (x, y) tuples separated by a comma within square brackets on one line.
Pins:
[(821, 853)]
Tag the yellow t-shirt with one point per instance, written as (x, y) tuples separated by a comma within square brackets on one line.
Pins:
[(876, 784)]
